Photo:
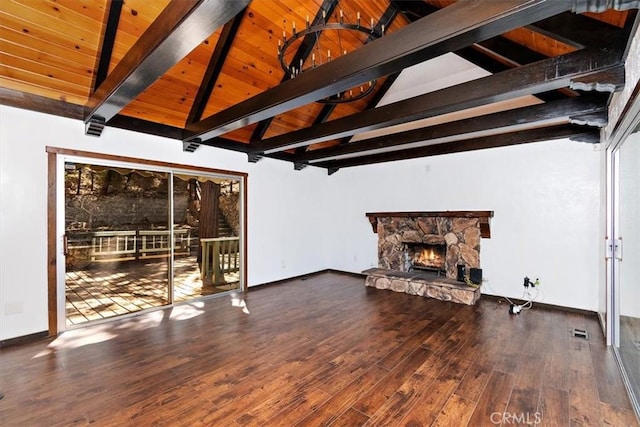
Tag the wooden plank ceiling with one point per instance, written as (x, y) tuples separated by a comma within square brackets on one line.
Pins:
[(207, 72)]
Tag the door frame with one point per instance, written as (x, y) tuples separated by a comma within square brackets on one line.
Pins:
[(56, 157)]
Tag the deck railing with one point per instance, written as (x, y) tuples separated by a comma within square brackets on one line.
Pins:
[(220, 255), (131, 244)]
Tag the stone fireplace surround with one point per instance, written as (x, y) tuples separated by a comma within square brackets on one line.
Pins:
[(460, 231)]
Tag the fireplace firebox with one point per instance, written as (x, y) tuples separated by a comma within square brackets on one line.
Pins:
[(423, 256)]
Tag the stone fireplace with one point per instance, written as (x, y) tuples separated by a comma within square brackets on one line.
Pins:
[(419, 252)]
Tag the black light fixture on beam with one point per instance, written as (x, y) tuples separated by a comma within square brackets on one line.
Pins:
[(326, 33)]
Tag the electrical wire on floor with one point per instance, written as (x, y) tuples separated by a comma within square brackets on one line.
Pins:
[(528, 296)]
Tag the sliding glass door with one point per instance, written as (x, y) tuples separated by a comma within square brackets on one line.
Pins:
[(207, 210), (117, 241), (626, 285), (136, 237)]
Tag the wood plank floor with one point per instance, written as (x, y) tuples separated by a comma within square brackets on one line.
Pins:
[(320, 351)]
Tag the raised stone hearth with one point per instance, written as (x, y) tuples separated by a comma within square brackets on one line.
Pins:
[(423, 284), (458, 232)]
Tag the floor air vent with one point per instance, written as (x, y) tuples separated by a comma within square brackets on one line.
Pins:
[(580, 333)]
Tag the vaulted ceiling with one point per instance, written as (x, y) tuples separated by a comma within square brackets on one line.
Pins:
[(207, 72)]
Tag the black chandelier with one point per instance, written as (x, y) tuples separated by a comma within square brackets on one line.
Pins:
[(314, 35)]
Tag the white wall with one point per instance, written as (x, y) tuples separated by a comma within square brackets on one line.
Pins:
[(545, 197), (546, 202), (286, 231)]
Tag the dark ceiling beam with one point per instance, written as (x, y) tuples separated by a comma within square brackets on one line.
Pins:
[(581, 133), (134, 124), (303, 52), (494, 55), (611, 80), (179, 29), (108, 40), (144, 126), (542, 76), (377, 97), (322, 117), (577, 30), (413, 10), (26, 101), (508, 52), (242, 147), (499, 54), (556, 112), (227, 35), (448, 29)]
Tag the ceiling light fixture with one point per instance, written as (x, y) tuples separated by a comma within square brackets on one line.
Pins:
[(328, 40)]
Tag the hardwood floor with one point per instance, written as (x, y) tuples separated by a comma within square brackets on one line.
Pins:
[(320, 351)]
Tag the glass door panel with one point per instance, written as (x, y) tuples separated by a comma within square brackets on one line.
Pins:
[(628, 280), (117, 241), (207, 235)]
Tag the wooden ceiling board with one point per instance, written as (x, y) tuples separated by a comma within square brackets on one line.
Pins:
[(151, 116), (82, 80), (173, 111), (538, 42), (242, 135), (239, 69), (294, 119), (135, 18), (70, 26), (613, 17), (43, 91), (40, 37), (90, 9), (297, 11), (51, 48), (268, 68), (258, 45), (325, 144), (65, 88), (53, 56), (176, 99)]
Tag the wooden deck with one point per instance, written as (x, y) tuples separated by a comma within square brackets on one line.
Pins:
[(110, 289), (321, 351)]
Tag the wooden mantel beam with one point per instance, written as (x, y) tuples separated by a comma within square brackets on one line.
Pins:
[(446, 30), (483, 216), (179, 29), (549, 74)]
